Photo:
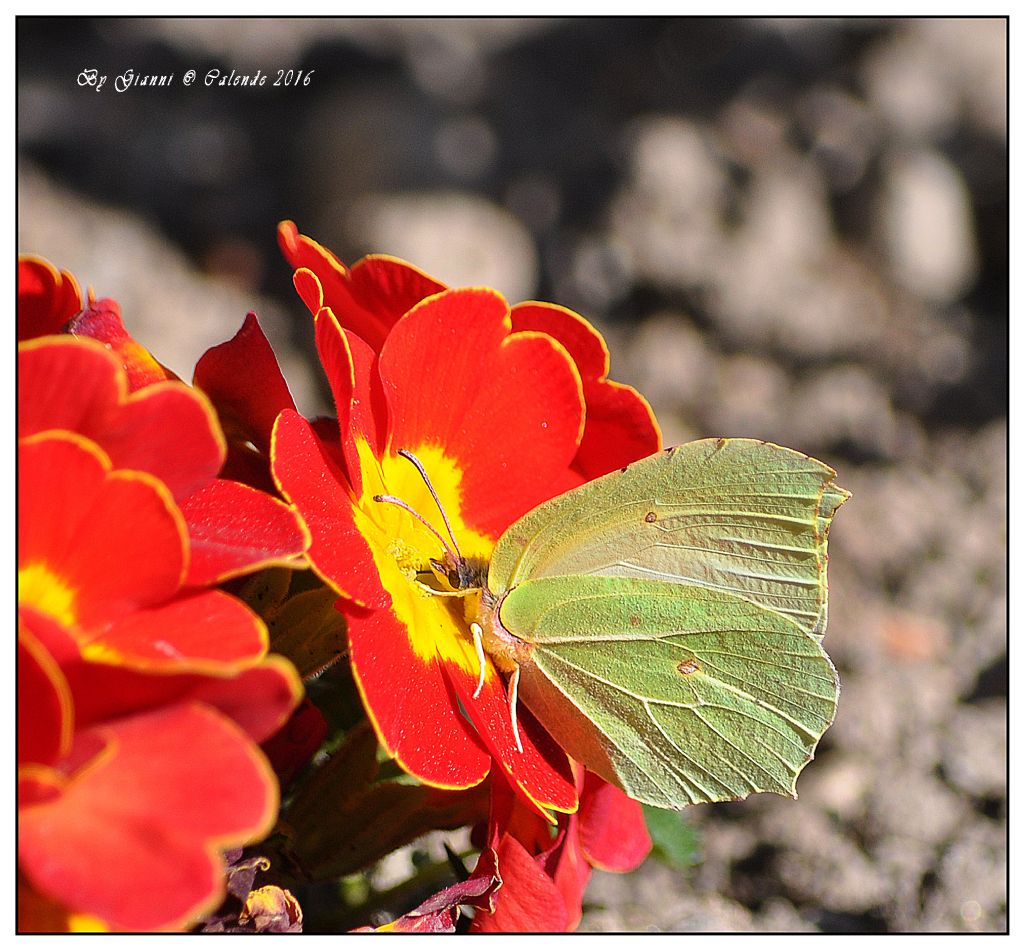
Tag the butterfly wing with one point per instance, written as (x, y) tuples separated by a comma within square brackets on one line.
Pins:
[(677, 694), (673, 613), (734, 515)]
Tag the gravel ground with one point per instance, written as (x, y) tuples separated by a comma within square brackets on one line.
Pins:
[(793, 230)]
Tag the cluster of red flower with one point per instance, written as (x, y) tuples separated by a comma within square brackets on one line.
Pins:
[(145, 685)]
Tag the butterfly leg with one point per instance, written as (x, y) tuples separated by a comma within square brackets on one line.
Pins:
[(513, 706), (478, 642)]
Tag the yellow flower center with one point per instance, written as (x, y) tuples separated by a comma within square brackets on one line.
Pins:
[(47, 592), (403, 548)]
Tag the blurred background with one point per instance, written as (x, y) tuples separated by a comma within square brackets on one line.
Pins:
[(790, 229)]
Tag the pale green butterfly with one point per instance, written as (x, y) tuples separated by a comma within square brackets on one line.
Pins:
[(664, 622)]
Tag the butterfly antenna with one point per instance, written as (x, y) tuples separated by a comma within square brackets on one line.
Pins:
[(426, 480), (392, 500)]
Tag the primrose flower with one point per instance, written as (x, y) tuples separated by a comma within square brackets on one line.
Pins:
[(497, 416), (143, 691), (140, 701)]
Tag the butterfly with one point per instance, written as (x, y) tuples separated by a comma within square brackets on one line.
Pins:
[(664, 622)]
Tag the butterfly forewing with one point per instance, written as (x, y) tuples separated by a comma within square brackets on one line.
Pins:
[(734, 515), (678, 694)]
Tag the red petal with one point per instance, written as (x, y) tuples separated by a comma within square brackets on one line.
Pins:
[(411, 704), (102, 321), (621, 427), (171, 431), (45, 709), (366, 300), (47, 298), (67, 383), (244, 382), (234, 529), (171, 789), (113, 539), (613, 833), (541, 770), (167, 429), (308, 479), (292, 747), (585, 345), (387, 288), (528, 901), (369, 410), (571, 873), (507, 408), (259, 698), (351, 369), (336, 359), (205, 631)]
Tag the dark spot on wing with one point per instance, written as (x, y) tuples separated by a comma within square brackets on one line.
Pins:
[(634, 620), (686, 667), (650, 517)]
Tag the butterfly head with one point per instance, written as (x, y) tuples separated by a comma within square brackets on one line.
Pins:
[(460, 573)]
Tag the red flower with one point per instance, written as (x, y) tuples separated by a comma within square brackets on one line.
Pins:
[(440, 913), (442, 388), (140, 703), (504, 408), (143, 692), (543, 877)]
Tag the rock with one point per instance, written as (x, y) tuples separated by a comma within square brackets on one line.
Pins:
[(927, 229)]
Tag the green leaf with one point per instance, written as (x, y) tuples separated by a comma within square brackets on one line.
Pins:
[(676, 841)]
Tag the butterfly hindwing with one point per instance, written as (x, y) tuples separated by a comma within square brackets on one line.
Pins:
[(676, 693)]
